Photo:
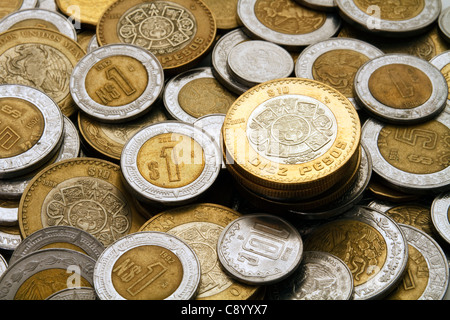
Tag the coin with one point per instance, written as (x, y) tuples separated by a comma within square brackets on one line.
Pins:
[(31, 129), (92, 45), (58, 237), (178, 32), (86, 193), (170, 163), (321, 5), (196, 93), (399, 88), (10, 238), (117, 83), (84, 11), (427, 274), (320, 276), (286, 23), (225, 13), (335, 62), (44, 272), (43, 59), (442, 62), (74, 294), (440, 213), (40, 18), (212, 124), (380, 190), (83, 38), (444, 23), (371, 244), (405, 160), (388, 19), (3, 265), (47, 5), (9, 212), (7, 7), (163, 267), (200, 225), (260, 249)]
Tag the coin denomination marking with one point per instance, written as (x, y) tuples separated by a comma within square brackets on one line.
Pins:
[(400, 10)]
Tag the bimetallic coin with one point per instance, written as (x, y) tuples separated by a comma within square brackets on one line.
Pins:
[(321, 5), (31, 130), (39, 18), (74, 294), (212, 124), (442, 62), (195, 93), (117, 83), (84, 11), (9, 210), (260, 249), (412, 159), (286, 23), (8, 6), (44, 272), (427, 272), (335, 63), (444, 23), (59, 237), (400, 88), (225, 13), (170, 268), (10, 238), (320, 276), (170, 163), (440, 215), (371, 244)]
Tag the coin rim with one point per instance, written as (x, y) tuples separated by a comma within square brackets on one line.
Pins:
[(439, 215)]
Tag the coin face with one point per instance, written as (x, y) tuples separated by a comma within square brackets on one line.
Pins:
[(7, 7), (178, 32), (84, 11), (173, 269), (74, 294), (440, 215), (86, 193), (444, 24)]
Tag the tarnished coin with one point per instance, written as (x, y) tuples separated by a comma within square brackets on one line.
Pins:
[(117, 83), (170, 163), (390, 19), (427, 272), (31, 130), (286, 23), (74, 294), (84, 11), (400, 88), (59, 237), (7, 6), (10, 238), (371, 244), (444, 23), (200, 225), (225, 13), (44, 272), (86, 193), (212, 124), (9, 211), (440, 215), (195, 93), (43, 59), (442, 62), (260, 249), (178, 32), (413, 158), (321, 5), (335, 62), (170, 268), (320, 276), (40, 18)]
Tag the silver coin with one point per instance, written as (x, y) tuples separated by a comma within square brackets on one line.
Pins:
[(444, 23), (13, 188), (3, 265), (93, 44), (9, 212), (58, 234), (320, 276), (47, 143), (260, 249), (47, 5), (286, 23), (426, 259), (322, 5), (73, 294), (403, 104), (370, 243), (187, 147), (430, 172), (120, 113), (212, 124), (440, 213), (219, 60), (172, 252), (335, 62), (55, 19), (388, 19), (10, 238), (71, 262)]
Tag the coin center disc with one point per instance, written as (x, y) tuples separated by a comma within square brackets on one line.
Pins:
[(21, 126), (38, 23), (394, 11), (9, 6), (147, 273), (419, 149), (288, 17), (116, 81), (400, 86), (338, 68), (171, 160)]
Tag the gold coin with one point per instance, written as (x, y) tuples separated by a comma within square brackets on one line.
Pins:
[(40, 58), (8, 6), (291, 133), (178, 32), (225, 12), (200, 225), (393, 12), (84, 11), (86, 193)]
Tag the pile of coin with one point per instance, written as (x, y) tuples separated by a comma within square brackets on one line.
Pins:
[(224, 150)]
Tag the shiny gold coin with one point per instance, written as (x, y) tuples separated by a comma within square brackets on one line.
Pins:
[(178, 32), (40, 58), (291, 133), (200, 225), (86, 193), (85, 11), (225, 12)]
